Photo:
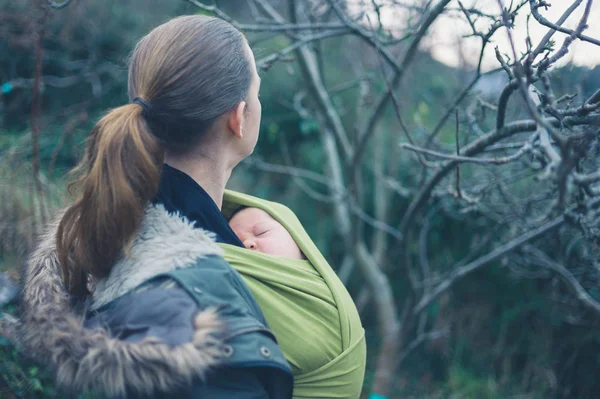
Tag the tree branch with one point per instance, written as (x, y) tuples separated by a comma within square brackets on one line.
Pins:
[(572, 283), (369, 127), (56, 5), (536, 14), (479, 145), (266, 62), (463, 271), (461, 159)]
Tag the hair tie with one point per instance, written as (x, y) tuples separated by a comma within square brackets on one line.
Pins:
[(144, 104)]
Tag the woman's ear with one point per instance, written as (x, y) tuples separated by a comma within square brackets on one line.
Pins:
[(236, 120)]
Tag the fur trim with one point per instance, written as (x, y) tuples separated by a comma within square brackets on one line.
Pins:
[(86, 359), (165, 242)]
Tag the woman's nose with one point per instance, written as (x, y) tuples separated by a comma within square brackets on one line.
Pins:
[(250, 244)]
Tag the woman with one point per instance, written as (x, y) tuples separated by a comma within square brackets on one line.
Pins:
[(166, 314), (193, 88)]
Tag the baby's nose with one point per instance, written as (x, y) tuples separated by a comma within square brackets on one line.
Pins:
[(250, 244)]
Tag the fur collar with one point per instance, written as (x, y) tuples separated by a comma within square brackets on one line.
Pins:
[(165, 242), (87, 359)]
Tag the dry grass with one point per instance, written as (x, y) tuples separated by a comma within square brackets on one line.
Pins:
[(24, 207)]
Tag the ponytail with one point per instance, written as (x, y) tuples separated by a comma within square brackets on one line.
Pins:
[(117, 177)]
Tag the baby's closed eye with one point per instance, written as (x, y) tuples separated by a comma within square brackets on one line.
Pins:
[(261, 229)]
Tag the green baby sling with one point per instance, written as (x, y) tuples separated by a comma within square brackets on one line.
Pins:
[(307, 307)]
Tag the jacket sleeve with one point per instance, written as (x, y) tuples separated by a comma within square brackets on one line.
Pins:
[(168, 314), (231, 383)]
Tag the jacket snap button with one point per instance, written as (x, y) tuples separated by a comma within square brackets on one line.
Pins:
[(227, 350), (265, 351), (197, 290)]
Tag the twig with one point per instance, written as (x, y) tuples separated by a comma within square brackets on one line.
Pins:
[(456, 139), (266, 62), (370, 37), (270, 27), (423, 248), (545, 22), (547, 146), (288, 170), (461, 272), (369, 127), (310, 69), (429, 336), (564, 49), (68, 130), (358, 211), (337, 194), (397, 108), (503, 102), (586, 179), (216, 11), (503, 63), (566, 97), (457, 159), (572, 283), (56, 5), (476, 147), (504, 146), (457, 100), (542, 44), (594, 98), (36, 109), (485, 39), (523, 78)]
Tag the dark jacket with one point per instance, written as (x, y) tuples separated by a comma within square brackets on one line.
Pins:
[(173, 319)]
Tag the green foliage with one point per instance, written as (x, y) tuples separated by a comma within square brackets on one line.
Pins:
[(461, 383), (21, 376)]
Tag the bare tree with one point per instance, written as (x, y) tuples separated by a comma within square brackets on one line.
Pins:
[(554, 143)]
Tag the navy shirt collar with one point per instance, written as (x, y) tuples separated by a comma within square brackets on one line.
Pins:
[(178, 192)]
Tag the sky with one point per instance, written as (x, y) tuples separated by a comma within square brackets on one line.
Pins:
[(447, 43)]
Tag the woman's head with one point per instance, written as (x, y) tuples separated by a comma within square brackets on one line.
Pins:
[(198, 77), (195, 71)]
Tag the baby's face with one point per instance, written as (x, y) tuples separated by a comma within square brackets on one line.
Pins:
[(258, 231)]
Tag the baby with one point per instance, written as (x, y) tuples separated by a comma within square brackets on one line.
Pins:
[(258, 231)]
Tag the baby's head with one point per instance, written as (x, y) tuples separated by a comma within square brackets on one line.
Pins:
[(258, 231)]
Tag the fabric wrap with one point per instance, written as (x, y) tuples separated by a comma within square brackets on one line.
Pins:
[(306, 306)]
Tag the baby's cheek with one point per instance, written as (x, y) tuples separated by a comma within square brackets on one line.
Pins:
[(271, 245), (290, 248)]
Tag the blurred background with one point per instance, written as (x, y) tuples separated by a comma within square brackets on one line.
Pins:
[(442, 154)]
